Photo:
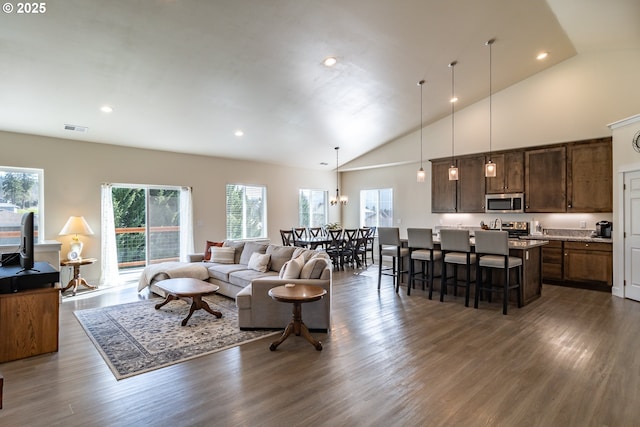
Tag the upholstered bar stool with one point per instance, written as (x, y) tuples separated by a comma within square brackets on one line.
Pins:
[(492, 250), (389, 245), (421, 249), (456, 250)]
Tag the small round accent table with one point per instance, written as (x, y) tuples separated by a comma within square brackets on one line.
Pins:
[(77, 280), (297, 295)]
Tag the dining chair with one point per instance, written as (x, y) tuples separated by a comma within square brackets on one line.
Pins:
[(421, 249), (299, 235), (370, 244), (350, 246), (335, 248), (456, 250), (360, 250), (389, 245), (287, 237), (492, 251)]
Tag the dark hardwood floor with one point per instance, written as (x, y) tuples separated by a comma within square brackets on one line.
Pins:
[(571, 358)]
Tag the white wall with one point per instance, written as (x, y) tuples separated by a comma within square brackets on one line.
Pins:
[(574, 100), (625, 159), (74, 171)]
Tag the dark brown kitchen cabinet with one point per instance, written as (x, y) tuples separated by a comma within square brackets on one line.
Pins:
[(443, 191), (545, 179), (588, 262), (471, 184), (509, 173), (552, 261), (590, 176)]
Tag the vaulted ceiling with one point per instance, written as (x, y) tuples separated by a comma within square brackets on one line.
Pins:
[(185, 75)]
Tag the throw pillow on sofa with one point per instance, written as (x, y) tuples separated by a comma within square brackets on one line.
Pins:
[(279, 255), (259, 262), (207, 249), (249, 249), (237, 246), (223, 255), (313, 268), (292, 268)]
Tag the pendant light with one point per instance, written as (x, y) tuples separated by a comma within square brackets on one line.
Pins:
[(490, 167), (453, 170), (421, 174), (343, 200)]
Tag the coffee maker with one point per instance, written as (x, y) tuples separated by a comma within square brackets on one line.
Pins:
[(603, 229)]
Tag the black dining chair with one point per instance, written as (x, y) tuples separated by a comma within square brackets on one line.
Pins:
[(287, 237), (300, 237), (335, 248)]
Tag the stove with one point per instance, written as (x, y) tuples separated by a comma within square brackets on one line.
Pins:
[(516, 228)]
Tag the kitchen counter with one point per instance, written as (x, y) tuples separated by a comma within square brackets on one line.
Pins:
[(567, 238)]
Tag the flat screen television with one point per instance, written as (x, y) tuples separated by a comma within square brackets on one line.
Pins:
[(26, 241)]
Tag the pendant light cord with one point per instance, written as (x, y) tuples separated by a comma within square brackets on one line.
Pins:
[(490, 44), (421, 83), (452, 65)]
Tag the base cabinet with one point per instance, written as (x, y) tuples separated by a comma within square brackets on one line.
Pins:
[(587, 264), (29, 323)]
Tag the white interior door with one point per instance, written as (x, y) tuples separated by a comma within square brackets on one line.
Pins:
[(632, 232)]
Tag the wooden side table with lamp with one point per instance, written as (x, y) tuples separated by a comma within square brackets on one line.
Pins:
[(76, 225)]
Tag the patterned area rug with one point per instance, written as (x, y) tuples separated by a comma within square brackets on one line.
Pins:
[(135, 338)]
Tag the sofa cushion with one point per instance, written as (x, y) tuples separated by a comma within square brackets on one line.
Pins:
[(222, 255), (238, 246), (292, 268), (243, 278), (313, 268), (279, 255), (259, 262), (249, 249), (207, 249), (221, 271)]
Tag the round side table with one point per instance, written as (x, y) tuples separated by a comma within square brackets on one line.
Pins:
[(77, 279)]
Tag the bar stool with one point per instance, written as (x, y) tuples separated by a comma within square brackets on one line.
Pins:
[(389, 245), (456, 250), (421, 249), (492, 249)]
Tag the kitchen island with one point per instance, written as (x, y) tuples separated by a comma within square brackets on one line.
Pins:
[(530, 251)]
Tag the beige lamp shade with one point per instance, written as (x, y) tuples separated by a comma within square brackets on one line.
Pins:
[(76, 225)]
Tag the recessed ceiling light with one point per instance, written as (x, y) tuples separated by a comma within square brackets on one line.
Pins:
[(454, 99), (239, 133), (330, 61), (323, 163), (542, 55), (106, 109)]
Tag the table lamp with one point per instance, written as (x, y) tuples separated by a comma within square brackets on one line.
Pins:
[(75, 225)]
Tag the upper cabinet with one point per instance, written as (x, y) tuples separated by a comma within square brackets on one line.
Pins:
[(568, 177), (545, 180), (471, 186), (443, 191), (509, 173), (590, 176)]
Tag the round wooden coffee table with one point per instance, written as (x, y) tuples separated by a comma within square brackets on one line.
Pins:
[(297, 295), (188, 288)]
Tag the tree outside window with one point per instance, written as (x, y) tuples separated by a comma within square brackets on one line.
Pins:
[(312, 208), (246, 211), (376, 207)]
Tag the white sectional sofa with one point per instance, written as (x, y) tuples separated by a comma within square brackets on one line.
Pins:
[(247, 277)]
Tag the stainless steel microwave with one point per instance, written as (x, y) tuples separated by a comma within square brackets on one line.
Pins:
[(504, 203)]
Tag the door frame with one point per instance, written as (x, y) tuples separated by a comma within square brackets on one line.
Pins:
[(619, 255)]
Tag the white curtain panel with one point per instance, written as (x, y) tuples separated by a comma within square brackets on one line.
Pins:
[(109, 253), (186, 224)]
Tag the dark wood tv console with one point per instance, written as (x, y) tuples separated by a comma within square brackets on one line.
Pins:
[(29, 318)]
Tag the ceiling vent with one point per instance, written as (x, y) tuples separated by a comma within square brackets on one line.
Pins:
[(76, 128)]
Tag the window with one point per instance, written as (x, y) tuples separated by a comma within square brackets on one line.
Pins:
[(147, 225), (376, 208), (246, 211), (21, 191), (312, 208)]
